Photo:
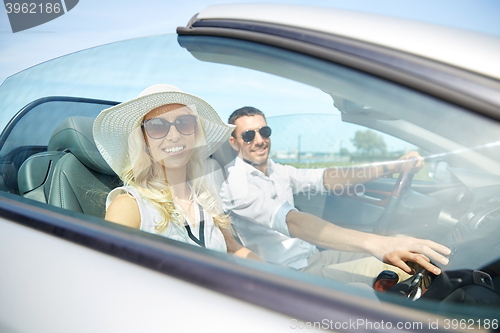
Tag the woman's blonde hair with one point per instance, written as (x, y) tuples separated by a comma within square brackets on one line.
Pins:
[(148, 177)]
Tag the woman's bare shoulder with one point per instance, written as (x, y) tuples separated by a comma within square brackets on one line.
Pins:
[(124, 210)]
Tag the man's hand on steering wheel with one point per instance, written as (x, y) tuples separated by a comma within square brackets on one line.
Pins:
[(398, 250), (397, 166)]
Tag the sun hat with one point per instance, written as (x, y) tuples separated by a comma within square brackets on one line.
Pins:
[(113, 126)]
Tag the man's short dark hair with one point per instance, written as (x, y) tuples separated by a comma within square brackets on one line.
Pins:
[(244, 111)]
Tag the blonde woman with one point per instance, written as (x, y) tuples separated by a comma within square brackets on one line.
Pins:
[(157, 144)]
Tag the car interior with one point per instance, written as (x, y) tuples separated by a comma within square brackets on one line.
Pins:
[(70, 173)]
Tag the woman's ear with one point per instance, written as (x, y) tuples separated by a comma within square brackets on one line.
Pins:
[(234, 143)]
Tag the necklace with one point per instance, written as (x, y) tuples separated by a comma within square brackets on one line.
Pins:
[(187, 206)]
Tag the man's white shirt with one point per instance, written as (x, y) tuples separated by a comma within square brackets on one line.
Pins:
[(258, 205)]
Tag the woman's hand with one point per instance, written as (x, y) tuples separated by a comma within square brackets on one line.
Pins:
[(236, 248)]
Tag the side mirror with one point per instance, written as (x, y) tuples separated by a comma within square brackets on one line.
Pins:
[(439, 170)]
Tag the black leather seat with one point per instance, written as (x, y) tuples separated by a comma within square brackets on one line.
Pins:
[(35, 175), (225, 155), (75, 176)]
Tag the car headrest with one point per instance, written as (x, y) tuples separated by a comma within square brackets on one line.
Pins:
[(225, 154), (75, 134)]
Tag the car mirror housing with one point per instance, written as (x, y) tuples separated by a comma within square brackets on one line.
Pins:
[(439, 170)]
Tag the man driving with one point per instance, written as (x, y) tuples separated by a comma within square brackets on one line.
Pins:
[(258, 195)]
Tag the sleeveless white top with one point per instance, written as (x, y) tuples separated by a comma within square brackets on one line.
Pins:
[(213, 237)]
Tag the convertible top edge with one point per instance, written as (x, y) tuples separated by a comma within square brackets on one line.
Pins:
[(457, 86)]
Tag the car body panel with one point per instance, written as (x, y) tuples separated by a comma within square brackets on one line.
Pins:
[(43, 283)]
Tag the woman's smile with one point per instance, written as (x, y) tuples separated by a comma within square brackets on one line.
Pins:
[(175, 150)]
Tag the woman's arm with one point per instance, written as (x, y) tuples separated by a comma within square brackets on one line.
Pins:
[(124, 210), (236, 248)]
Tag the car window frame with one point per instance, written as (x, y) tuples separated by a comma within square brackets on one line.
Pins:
[(457, 86)]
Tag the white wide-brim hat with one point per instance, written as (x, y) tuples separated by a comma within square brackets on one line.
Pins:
[(113, 126)]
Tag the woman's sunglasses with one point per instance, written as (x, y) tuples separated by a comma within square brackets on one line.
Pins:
[(158, 128), (248, 136)]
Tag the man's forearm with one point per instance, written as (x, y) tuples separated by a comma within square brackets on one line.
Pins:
[(351, 176), (392, 250), (327, 235)]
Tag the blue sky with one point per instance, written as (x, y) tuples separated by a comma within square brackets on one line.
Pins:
[(96, 22)]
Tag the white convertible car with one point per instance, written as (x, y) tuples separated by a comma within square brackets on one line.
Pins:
[(339, 88)]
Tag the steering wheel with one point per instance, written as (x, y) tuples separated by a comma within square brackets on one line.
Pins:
[(457, 284), (404, 181)]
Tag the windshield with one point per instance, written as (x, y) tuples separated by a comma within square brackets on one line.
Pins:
[(323, 116)]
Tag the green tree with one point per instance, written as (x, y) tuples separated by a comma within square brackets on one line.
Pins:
[(369, 142), (344, 152)]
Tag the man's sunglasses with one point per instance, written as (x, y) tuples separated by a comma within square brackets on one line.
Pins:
[(248, 136), (158, 128)]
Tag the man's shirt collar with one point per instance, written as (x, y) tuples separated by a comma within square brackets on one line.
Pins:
[(239, 163)]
